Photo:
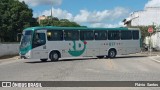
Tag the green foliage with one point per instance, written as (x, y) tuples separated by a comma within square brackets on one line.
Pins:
[(56, 22), (14, 17)]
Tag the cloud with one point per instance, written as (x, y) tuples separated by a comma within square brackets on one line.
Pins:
[(91, 18), (106, 25), (100, 16), (153, 3), (42, 2)]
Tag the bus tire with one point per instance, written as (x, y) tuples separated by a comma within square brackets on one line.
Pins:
[(43, 60), (100, 57), (112, 53), (54, 56)]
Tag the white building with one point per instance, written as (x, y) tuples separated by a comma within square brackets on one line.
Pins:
[(146, 17)]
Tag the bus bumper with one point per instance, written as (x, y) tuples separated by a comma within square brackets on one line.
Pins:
[(26, 56)]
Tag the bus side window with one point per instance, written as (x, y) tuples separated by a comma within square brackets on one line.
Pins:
[(100, 35), (135, 34), (126, 35), (113, 35), (71, 35), (86, 35), (49, 35), (54, 35)]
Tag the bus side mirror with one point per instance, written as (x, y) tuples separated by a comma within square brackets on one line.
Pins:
[(19, 35)]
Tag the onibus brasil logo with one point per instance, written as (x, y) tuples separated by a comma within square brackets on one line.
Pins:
[(77, 48)]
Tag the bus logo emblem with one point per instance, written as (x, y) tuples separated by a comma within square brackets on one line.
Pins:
[(77, 48)]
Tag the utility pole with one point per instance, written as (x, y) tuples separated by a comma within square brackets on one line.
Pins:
[(51, 13)]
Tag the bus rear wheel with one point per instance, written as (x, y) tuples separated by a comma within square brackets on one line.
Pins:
[(54, 56), (112, 53)]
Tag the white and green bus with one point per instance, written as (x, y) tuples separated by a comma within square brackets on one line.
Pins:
[(62, 42)]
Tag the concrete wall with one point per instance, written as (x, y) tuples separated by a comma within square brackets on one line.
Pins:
[(9, 49)]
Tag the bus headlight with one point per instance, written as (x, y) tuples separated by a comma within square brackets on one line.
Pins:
[(28, 54)]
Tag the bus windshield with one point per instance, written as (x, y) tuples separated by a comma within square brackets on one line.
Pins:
[(26, 39)]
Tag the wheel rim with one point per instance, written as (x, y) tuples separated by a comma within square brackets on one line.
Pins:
[(55, 56), (112, 54)]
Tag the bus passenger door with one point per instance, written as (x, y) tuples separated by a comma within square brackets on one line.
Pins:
[(39, 45)]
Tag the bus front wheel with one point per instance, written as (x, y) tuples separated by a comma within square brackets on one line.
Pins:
[(54, 56), (112, 53)]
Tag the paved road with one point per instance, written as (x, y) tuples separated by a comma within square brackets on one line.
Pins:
[(128, 68)]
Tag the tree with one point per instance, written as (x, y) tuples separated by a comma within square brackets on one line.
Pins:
[(14, 17), (56, 22)]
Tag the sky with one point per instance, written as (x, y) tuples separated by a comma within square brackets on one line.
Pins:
[(91, 13)]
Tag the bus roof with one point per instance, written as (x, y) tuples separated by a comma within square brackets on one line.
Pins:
[(73, 28)]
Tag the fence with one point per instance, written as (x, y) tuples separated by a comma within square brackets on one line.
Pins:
[(9, 49)]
